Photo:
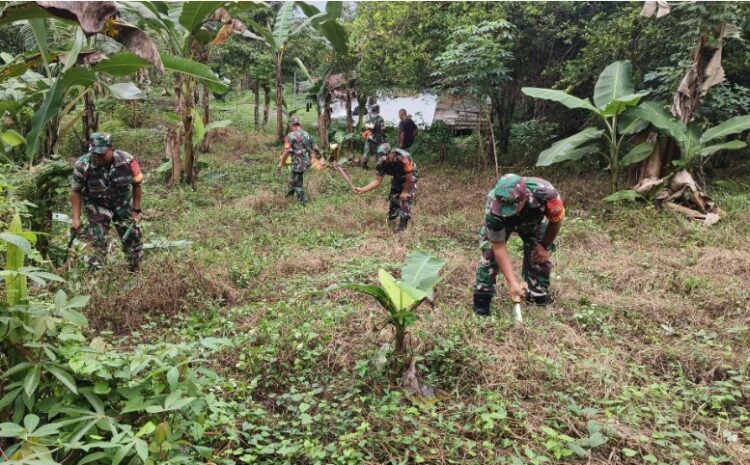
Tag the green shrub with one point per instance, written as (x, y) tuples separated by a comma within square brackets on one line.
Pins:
[(527, 139), (67, 399)]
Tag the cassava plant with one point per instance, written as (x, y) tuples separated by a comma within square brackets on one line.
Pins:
[(64, 399), (614, 95), (401, 297)]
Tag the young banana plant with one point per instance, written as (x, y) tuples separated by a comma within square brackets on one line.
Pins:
[(401, 297)]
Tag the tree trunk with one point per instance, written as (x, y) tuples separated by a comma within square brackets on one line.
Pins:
[(187, 107), (324, 120), (362, 105), (349, 117), (493, 142), (279, 101), (90, 118), (321, 128), (206, 143), (256, 112), (172, 149), (266, 104), (503, 110), (172, 138)]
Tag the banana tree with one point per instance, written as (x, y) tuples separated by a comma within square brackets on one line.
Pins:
[(186, 32), (320, 97), (60, 67), (401, 297), (283, 31), (614, 95), (696, 148)]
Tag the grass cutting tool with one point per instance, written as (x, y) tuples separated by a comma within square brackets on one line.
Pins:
[(517, 315), (343, 173)]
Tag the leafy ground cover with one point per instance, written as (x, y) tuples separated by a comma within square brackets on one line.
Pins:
[(642, 357)]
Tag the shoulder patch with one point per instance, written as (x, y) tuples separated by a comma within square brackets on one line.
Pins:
[(555, 210)]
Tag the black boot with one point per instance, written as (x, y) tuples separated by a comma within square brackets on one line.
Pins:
[(482, 302), (364, 165), (402, 224), (540, 300)]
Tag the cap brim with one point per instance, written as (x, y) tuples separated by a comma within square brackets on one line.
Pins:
[(99, 151)]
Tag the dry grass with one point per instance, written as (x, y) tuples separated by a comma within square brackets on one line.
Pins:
[(122, 302)]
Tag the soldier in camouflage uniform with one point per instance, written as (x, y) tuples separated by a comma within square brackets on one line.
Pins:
[(299, 144), (107, 182), (532, 208), (398, 164), (375, 134)]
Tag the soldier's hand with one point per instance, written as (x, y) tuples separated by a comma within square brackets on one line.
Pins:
[(516, 292), (137, 216), (540, 254), (404, 196), (75, 224), (358, 190)]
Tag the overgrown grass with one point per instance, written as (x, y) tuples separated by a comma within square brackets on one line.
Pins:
[(642, 357)]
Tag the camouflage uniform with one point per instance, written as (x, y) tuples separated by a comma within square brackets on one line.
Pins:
[(401, 165), (299, 143), (107, 199), (376, 138), (543, 205)]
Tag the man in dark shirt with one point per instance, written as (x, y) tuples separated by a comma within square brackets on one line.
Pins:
[(407, 130), (398, 164)]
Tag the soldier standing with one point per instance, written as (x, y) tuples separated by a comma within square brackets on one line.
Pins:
[(532, 208), (375, 134), (107, 182), (398, 164), (299, 144)]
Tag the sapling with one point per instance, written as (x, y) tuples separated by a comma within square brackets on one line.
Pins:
[(401, 297)]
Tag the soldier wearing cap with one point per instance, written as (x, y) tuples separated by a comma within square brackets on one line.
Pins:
[(532, 208), (398, 164), (298, 143), (374, 135), (107, 182)]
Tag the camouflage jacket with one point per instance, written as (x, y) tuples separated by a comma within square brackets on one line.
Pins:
[(299, 143), (401, 165), (543, 202), (107, 185), (378, 128)]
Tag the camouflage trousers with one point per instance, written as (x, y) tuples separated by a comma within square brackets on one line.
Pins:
[(398, 208), (100, 220), (535, 274), (371, 146), (296, 186)]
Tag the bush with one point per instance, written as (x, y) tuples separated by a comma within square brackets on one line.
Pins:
[(67, 399), (527, 139), (135, 114)]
